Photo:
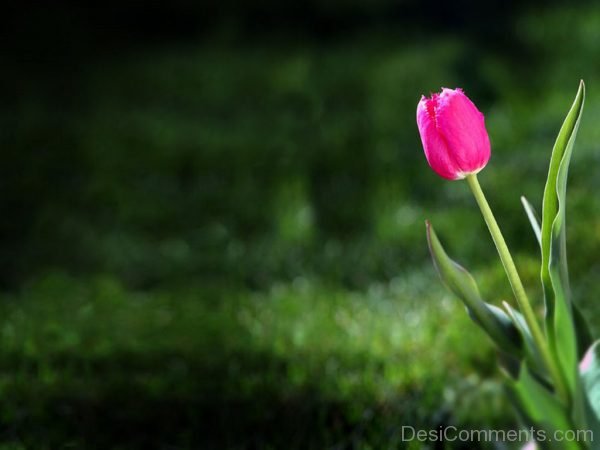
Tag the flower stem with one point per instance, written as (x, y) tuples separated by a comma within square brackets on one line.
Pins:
[(517, 287)]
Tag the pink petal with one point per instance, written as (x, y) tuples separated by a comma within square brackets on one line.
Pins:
[(436, 150), (462, 126)]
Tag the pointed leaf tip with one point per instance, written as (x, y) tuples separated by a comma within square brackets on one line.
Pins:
[(533, 219)]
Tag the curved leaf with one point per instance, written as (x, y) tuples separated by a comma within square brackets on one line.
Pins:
[(554, 274), (582, 329), (533, 219), (492, 319)]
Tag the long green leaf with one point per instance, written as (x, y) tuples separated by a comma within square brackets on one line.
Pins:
[(492, 319), (554, 273), (582, 329)]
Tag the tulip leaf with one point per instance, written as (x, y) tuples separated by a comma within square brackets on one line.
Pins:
[(540, 408), (492, 319), (554, 273), (532, 353), (582, 329), (533, 219)]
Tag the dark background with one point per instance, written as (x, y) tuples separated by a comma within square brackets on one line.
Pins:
[(211, 215)]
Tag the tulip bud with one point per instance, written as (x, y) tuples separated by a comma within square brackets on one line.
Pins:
[(453, 133)]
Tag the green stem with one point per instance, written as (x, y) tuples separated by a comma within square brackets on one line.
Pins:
[(517, 286)]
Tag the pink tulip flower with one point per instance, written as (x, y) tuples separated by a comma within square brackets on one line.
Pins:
[(453, 133)]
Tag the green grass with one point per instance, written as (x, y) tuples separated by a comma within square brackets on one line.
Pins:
[(91, 364)]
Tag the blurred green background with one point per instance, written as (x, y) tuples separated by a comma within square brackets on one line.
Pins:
[(212, 216)]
